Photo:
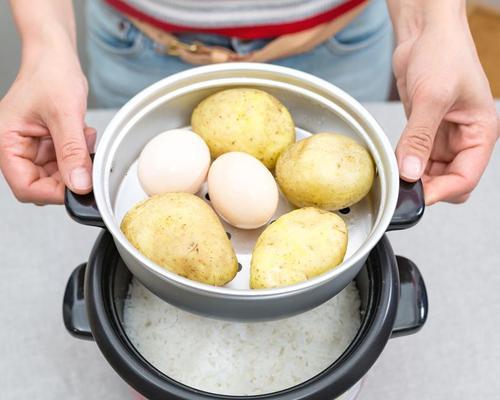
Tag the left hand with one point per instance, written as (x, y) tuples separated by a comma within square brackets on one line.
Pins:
[(452, 124)]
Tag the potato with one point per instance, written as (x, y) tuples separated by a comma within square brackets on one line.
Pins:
[(298, 246), (181, 233), (244, 119), (326, 170)]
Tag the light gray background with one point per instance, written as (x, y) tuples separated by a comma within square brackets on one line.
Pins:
[(456, 356), (10, 44)]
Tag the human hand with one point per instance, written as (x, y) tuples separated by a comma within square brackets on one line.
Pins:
[(44, 142), (452, 124)]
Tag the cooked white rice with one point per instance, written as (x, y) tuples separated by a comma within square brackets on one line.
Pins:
[(240, 358)]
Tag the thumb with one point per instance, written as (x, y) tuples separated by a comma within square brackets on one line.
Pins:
[(72, 152), (415, 145)]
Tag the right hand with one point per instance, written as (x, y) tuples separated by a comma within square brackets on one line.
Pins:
[(452, 123), (44, 142)]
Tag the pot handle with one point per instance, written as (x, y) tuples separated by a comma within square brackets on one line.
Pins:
[(74, 309), (413, 305), (83, 208), (410, 207)]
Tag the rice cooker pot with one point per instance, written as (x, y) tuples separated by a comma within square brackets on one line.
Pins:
[(393, 303)]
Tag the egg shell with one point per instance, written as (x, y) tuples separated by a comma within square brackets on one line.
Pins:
[(174, 161), (242, 190)]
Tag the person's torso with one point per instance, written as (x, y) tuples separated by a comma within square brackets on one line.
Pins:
[(237, 18)]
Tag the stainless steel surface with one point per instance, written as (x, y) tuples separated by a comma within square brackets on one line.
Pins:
[(455, 246), (316, 106)]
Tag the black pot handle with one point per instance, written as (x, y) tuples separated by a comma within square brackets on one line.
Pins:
[(74, 309), (413, 305), (410, 207), (83, 208)]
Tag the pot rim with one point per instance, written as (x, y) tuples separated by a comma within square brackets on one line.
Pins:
[(137, 105), (374, 333)]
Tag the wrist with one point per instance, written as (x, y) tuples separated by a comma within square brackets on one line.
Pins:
[(411, 17), (47, 39)]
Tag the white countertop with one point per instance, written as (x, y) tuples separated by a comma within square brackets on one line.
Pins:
[(456, 356)]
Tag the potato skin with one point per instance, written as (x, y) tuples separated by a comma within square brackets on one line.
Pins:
[(327, 170), (244, 119), (181, 233), (298, 246)]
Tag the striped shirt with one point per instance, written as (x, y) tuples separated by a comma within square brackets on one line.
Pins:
[(246, 19)]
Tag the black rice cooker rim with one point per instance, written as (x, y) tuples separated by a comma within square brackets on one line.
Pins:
[(348, 369)]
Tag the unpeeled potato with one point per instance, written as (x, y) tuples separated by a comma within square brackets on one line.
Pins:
[(327, 170), (181, 233), (298, 246), (244, 119)]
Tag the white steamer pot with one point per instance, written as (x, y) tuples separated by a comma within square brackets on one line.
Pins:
[(316, 106)]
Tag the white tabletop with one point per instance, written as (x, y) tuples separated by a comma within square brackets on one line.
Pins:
[(456, 356)]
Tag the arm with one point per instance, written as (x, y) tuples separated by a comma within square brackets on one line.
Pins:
[(44, 143), (452, 123), (43, 20)]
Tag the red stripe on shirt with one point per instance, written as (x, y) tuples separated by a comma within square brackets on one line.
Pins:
[(246, 32)]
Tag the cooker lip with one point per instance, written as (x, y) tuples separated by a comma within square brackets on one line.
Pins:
[(335, 380), (388, 161)]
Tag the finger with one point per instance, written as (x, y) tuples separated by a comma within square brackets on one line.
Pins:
[(447, 143), (462, 198), (31, 183), (444, 188), (45, 151), (403, 96), (415, 145), (90, 137), (72, 152), (436, 168), (48, 190), (51, 168), (459, 199), (459, 178)]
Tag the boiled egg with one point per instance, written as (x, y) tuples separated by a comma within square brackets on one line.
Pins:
[(242, 190), (174, 161)]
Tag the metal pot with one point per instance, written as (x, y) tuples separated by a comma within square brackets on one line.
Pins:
[(316, 106), (393, 303)]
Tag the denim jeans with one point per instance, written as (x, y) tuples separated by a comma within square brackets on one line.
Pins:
[(123, 61)]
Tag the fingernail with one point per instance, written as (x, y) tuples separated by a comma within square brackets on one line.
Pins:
[(412, 167), (80, 179)]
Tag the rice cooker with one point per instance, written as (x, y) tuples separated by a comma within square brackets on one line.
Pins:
[(392, 291)]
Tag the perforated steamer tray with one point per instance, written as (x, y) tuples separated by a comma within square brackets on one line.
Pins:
[(359, 219)]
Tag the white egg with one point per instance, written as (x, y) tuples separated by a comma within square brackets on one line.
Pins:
[(174, 161), (242, 190)]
